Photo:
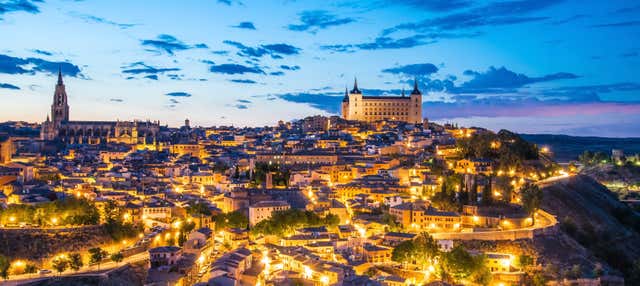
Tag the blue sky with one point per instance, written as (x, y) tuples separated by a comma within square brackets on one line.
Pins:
[(534, 66)]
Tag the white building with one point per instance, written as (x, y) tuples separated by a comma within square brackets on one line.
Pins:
[(263, 210)]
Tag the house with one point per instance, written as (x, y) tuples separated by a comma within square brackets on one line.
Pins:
[(164, 255), (263, 210), (376, 254), (392, 239)]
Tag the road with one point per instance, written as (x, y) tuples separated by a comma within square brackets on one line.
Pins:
[(87, 270), (551, 180)]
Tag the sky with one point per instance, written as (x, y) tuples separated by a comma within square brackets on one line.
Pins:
[(531, 66)]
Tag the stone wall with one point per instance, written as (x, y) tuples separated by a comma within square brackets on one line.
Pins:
[(35, 243), (525, 233)]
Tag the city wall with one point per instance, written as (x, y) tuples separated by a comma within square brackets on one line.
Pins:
[(551, 227)]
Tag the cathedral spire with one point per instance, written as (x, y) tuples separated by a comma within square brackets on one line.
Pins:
[(415, 87), (60, 75), (403, 92), (355, 89)]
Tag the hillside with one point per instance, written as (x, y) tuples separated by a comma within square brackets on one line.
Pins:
[(125, 275), (567, 148), (594, 234), (620, 179), (591, 215)]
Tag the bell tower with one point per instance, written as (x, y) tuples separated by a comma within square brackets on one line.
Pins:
[(59, 108)]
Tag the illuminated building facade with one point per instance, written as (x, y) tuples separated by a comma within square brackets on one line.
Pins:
[(356, 106)]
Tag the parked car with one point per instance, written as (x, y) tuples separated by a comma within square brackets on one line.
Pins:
[(44, 271)]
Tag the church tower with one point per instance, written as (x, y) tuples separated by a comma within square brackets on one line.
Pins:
[(345, 104), (59, 108)]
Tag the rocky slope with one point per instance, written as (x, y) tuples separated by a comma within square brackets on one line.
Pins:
[(34, 244), (126, 275), (596, 233), (593, 217)]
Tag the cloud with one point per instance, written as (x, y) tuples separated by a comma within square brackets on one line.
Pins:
[(116, 100), (591, 92), (282, 49), (95, 19), (42, 52), (229, 2), (501, 78), (245, 25), (169, 44), (381, 43), (290, 68), (329, 102), (499, 13), (562, 101), (222, 53), (8, 86), (149, 71), (240, 106), (178, 94), (434, 5), (19, 6), (274, 50), (523, 107), (234, 69), (277, 73), (244, 101), (314, 20), (15, 65), (630, 54), (623, 24), (569, 19), (631, 9), (247, 81), (413, 69)]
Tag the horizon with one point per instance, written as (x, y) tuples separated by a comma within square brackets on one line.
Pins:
[(229, 64)]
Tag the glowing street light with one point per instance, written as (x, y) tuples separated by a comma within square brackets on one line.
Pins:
[(12, 219), (19, 264), (54, 220), (308, 273)]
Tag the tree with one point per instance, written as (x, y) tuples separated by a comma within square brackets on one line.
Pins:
[(4, 267), (285, 222), (531, 197), (525, 261), (60, 264), (234, 219), (185, 229), (75, 261), (461, 264), (96, 255), (487, 192), (30, 268), (473, 192), (197, 208), (404, 252), (426, 248), (117, 257), (503, 184)]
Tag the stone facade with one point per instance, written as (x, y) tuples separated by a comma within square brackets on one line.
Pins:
[(58, 127), (356, 106)]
